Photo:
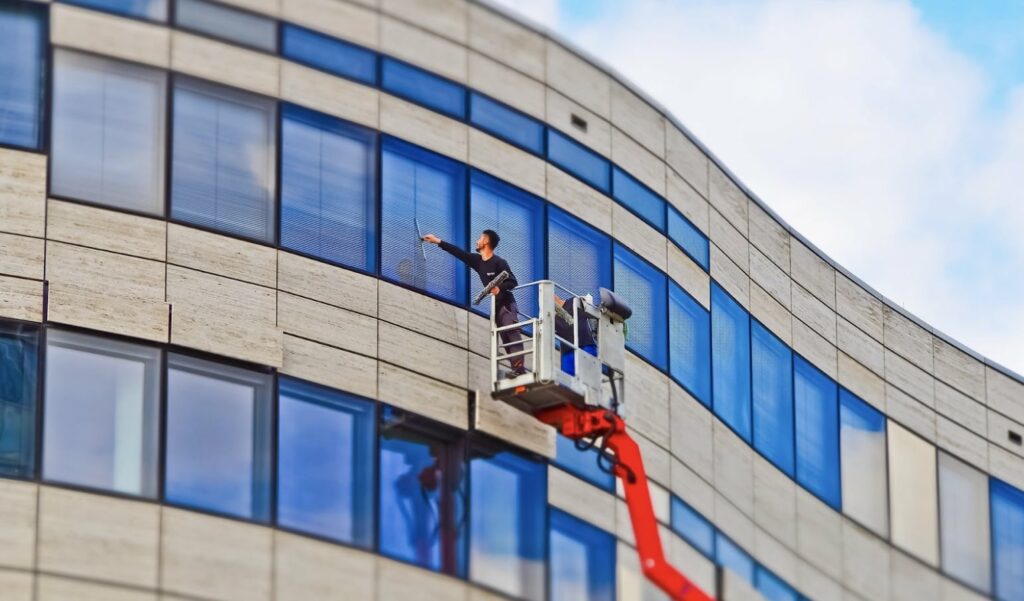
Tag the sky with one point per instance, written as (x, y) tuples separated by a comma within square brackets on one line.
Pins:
[(890, 133)]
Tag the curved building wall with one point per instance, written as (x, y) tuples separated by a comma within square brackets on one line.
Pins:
[(862, 455)]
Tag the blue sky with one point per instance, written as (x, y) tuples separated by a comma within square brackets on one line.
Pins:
[(889, 132)]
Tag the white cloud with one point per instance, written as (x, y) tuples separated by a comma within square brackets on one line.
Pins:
[(864, 129)]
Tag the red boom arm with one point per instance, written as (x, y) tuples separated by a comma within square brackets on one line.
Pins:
[(578, 424)]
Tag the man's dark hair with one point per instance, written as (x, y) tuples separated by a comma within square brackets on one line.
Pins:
[(492, 238)]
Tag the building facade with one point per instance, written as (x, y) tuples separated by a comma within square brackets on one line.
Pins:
[(229, 370)]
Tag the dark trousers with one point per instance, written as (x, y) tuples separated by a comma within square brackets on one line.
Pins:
[(508, 314)]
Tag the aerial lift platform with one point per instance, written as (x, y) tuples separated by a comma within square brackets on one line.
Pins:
[(582, 401)]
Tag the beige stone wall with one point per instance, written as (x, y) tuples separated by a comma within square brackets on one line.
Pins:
[(168, 283)]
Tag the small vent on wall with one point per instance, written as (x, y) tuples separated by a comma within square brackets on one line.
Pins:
[(1015, 438), (579, 122)]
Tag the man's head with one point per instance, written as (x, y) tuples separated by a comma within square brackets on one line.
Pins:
[(488, 239)]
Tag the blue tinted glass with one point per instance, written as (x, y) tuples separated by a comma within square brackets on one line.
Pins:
[(730, 361), (227, 23), (101, 419), (506, 123), (581, 561), (218, 438), (328, 189), (325, 462), (731, 557), (816, 402), (328, 54), (22, 51), (422, 193), (579, 160), (690, 343), (223, 160), (509, 499), (582, 463), (637, 197), (108, 132), (772, 588), (1007, 540), (19, 365), (518, 218), (644, 288), (424, 88), (154, 10), (689, 238), (692, 526), (421, 516), (579, 256), (772, 378)]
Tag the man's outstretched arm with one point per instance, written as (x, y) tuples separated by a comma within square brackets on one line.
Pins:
[(468, 258)]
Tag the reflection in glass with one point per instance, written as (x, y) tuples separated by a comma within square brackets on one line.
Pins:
[(730, 362), (963, 517), (1007, 541), (865, 489), (581, 561), (690, 338), (222, 174), (19, 364), (645, 289), (692, 526), (422, 488), (422, 193), (22, 63), (582, 463), (731, 557), (218, 438), (108, 132), (328, 188), (154, 10), (226, 23), (913, 503), (772, 377), (579, 256), (508, 499), (816, 406), (102, 412), (325, 463)]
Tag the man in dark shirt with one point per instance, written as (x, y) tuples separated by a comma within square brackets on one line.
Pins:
[(488, 265)]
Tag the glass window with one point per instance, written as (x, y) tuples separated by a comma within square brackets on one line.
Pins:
[(102, 413), (638, 198), (731, 557), (22, 71), (226, 23), (865, 486), (423, 87), (328, 188), (913, 495), (325, 462), (422, 193), (328, 54), (1007, 541), (108, 132), (689, 326), (579, 160), (218, 438), (422, 486), (506, 123), (579, 256), (772, 378), (581, 561), (963, 517), (154, 10), (688, 238), (730, 361), (19, 364), (582, 463), (816, 402), (645, 289), (223, 170), (518, 217), (508, 501), (772, 588), (692, 526)]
